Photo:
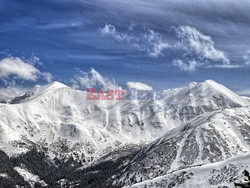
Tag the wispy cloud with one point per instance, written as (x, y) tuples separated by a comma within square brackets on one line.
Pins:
[(110, 30), (246, 57), (150, 41), (185, 65), (198, 50), (225, 66), (193, 42), (193, 49), (157, 43), (244, 92), (63, 25)]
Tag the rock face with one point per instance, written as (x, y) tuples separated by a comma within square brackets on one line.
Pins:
[(194, 125), (245, 182)]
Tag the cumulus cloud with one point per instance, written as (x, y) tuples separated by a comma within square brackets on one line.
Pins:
[(194, 42), (93, 79), (150, 41), (14, 71), (16, 67)]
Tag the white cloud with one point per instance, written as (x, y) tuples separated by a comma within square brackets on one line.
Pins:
[(14, 66), (186, 65), (47, 76), (13, 69), (194, 49), (11, 91), (110, 30), (150, 42), (138, 86), (157, 44), (246, 57), (245, 92), (224, 66), (61, 25), (93, 80), (194, 42)]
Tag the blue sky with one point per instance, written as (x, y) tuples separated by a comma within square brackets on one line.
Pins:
[(162, 43)]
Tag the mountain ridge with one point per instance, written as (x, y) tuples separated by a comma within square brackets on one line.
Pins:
[(197, 124), (211, 137), (146, 120)]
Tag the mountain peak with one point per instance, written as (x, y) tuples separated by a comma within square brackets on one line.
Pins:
[(205, 83), (212, 86), (210, 82), (38, 90), (56, 85), (49, 87)]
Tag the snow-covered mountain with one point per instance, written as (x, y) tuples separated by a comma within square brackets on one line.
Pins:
[(220, 174), (210, 137), (55, 115), (198, 124)]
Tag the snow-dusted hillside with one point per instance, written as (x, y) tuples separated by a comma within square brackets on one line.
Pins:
[(210, 137), (219, 174), (60, 119)]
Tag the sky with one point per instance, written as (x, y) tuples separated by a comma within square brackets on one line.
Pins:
[(162, 43)]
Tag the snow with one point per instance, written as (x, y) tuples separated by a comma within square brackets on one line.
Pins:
[(209, 138), (175, 164), (203, 175), (29, 177), (4, 175), (56, 115), (190, 128)]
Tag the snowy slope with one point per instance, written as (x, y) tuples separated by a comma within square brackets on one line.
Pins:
[(186, 103), (213, 175), (210, 137), (29, 177), (59, 120)]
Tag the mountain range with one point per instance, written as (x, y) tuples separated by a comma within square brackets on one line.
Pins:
[(201, 130)]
